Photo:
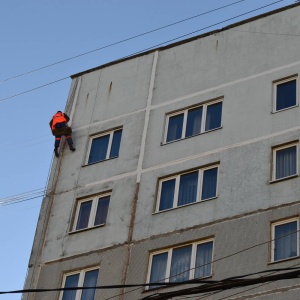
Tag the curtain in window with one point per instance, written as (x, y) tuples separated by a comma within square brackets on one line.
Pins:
[(158, 268), (286, 95), (84, 215), (167, 194), (209, 184), (203, 260), (90, 280), (175, 128), (213, 116), (194, 119), (286, 241), (71, 281), (99, 149), (286, 162), (102, 209), (188, 188), (115, 146), (181, 264)]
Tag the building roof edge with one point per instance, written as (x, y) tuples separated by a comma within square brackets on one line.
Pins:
[(272, 12)]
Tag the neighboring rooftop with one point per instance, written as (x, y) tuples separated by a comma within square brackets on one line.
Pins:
[(272, 12)]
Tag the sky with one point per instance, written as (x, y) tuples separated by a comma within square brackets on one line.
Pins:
[(37, 33)]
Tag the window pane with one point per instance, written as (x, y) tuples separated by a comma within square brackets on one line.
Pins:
[(71, 281), (167, 194), (188, 188), (203, 260), (90, 280), (213, 116), (84, 215), (286, 95), (175, 128), (286, 162), (102, 209), (181, 264), (194, 119), (209, 185), (115, 146), (285, 241), (158, 268), (98, 149)]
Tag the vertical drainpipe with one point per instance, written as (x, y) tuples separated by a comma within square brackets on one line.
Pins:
[(139, 173), (33, 276)]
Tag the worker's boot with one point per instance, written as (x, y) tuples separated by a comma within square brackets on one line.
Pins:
[(56, 152), (72, 148)]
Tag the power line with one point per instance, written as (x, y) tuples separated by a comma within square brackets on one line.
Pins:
[(147, 49), (256, 286), (226, 283), (217, 260), (36, 88), (22, 197), (121, 41)]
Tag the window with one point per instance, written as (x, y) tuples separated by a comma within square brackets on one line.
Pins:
[(181, 263), (285, 239), (285, 161), (186, 188), (285, 94), (85, 278), (193, 121), (91, 212), (105, 146)]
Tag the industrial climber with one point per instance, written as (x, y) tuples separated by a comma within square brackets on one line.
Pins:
[(59, 127)]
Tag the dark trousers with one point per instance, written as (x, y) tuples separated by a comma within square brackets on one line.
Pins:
[(58, 137)]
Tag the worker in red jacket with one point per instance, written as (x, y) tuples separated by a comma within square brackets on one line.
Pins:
[(59, 123)]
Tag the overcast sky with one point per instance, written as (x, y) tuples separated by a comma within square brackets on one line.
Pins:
[(37, 33)]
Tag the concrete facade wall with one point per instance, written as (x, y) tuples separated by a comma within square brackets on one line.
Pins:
[(237, 251), (237, 65)]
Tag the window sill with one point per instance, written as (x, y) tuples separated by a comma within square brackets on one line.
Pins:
[(169, 286), (100, 161), (86, 229), (185, 138), (283, 260), (284, 178), (278, 111), (189, 204)]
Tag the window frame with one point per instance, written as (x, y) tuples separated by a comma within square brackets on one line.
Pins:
[(275, 85), (185, 116), (169, 259), (278, 223), (274, 156), (93, 212), (80, 281), (92, 137), (177, 185)]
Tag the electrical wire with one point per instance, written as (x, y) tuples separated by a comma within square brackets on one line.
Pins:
[(26, 196), (146, 49), (293, 272), (292, 267), (217, 260), (121, 41)]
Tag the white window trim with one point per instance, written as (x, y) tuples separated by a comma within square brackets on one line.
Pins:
[(275, 84), (177, 184), (169, 259), (111, 134), (185, 114), (275, 149), (80, 281), (92, 214), (273, 225)]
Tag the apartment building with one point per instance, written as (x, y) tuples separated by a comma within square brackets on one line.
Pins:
[(186, 166)]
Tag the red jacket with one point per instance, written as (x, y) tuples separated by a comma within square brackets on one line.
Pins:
[(59, 117)]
